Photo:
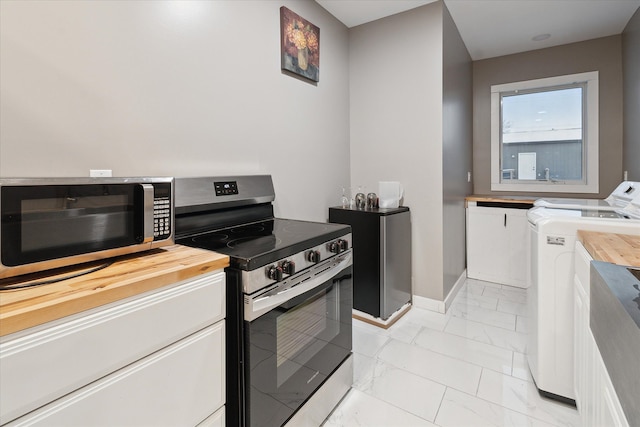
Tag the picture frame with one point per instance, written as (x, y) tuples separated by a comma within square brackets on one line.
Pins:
[(300, 45)]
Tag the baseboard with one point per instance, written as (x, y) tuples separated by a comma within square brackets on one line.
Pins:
[(455, 289), (428, 304), (437, 305)]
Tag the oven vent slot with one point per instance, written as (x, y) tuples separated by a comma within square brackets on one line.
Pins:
[(265, 291), (302, 281), (318, 272)]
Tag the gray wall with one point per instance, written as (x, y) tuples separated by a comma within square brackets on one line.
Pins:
[(631, 73), (457, 149), (396, 83), (143, 88), (603, 55)]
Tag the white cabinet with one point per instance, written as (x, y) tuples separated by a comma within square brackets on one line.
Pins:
[(497, 248), (154, 359), (596, 397), (608, 408), (584, 344)]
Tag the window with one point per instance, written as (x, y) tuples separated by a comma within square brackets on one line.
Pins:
[(544, 135)]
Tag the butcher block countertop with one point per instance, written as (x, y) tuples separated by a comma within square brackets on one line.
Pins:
[(621, 249), (515, 202), (127, 276), (500, 199)]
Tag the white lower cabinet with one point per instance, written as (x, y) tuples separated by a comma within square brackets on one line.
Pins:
[(584, 344), (596, 397), (153, 360), (180, 385), (497, 244), (608, 408)]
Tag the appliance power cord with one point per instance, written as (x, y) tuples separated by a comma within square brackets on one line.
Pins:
[(15, 286)]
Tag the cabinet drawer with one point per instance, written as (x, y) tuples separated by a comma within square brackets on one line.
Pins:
[(180, 385), (45, 365)]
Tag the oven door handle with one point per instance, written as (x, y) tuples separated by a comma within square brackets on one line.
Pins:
[(256, 307)]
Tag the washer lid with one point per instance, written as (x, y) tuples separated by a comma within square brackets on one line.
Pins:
[(619, 198), (597, 204)]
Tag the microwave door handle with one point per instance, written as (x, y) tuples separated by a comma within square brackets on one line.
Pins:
[(148, 212)]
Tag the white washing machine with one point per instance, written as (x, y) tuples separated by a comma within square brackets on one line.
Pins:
[(618, 199), (552, 236)]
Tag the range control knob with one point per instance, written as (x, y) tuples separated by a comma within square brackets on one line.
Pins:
[(338, 246), (275, 272), (314, 256), (288, 267)]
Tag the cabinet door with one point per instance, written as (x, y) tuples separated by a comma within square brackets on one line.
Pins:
[(610, 410), (518, 248), (590, 386), (579, 355), (582, 264), (487, 244), (614, 416), (181, 385), (497, 249), (586, 386)]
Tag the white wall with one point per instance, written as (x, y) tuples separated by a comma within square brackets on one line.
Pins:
[(396, 125), (195, 88), (173, 88)]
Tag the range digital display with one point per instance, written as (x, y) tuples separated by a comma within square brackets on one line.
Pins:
[(226, 188)]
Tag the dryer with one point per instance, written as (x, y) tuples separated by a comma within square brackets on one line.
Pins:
[(552, 237), (618, 199)]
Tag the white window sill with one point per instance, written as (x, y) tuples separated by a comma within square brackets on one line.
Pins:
[(545, 187)]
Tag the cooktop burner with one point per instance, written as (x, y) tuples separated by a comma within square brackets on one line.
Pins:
[(254, 245)]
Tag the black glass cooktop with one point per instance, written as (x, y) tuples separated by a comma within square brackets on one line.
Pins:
[(255, 245)]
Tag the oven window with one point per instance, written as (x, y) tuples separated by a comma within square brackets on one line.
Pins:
[(305, 329)]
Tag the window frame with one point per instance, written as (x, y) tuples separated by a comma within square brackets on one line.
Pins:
[(590, 182)]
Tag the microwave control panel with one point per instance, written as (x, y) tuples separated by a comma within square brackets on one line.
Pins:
[(161, 212)]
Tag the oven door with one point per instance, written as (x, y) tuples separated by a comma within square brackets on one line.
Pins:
[(293, 348)]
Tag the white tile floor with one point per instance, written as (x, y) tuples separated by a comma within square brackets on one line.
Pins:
[(463, 368)]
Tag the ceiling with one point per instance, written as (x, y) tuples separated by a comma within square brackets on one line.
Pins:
[(493, 28)]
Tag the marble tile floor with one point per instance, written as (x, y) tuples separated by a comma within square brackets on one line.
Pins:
[(463, 368)]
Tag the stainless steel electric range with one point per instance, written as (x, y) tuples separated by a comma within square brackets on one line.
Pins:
[(289, 300)]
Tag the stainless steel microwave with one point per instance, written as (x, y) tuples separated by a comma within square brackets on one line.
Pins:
[(55, 222)]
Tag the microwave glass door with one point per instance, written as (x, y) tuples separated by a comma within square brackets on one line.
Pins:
[(295, 347), (49, 222)]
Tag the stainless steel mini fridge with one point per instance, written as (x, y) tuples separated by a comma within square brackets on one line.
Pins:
[(381, 257)]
